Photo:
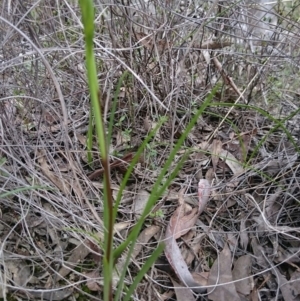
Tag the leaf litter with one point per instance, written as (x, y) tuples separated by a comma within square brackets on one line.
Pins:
[(252, 165)]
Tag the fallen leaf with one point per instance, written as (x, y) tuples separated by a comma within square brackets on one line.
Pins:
[(91, 282), (244, 239), (242, 269), (295, 281), (183, 293), (216, 150), (287, 288), (201, 278), (140, 201), (52, 295), (180, 223), (232, 162), (53, 177), (221, 273), (166, 295), (262, 262), (78, 255), (232, 241), (143, 238), (18, 272)]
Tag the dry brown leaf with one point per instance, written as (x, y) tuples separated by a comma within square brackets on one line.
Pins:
[(91, 282), (216, 150), (213, 45), (183, 293), (178, 225), (140, 201), (78, 255), (287, 288), (221, 273), (166, 295), (254, 296), (239, 144), (273, 206), (182, 220), (51, 295), (290, 255), (18, 272), (244, 239), (232, 241), (242, 269), (201, 278), (262, 262), (121, 226), (63, 186), (295, 281), (149, 42), (143, 238), (232, 162)]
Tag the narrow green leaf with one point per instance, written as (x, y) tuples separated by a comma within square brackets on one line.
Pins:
[(148, 264), (156, 190)]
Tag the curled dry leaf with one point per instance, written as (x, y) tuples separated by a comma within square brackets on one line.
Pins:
[(180, 223)]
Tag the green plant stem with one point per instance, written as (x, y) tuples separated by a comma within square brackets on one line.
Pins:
[(87, 9)]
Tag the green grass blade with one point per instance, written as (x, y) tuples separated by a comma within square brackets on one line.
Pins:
[(156, 190), (134, 161), (278, 124), (136, 230), (148, 264)]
